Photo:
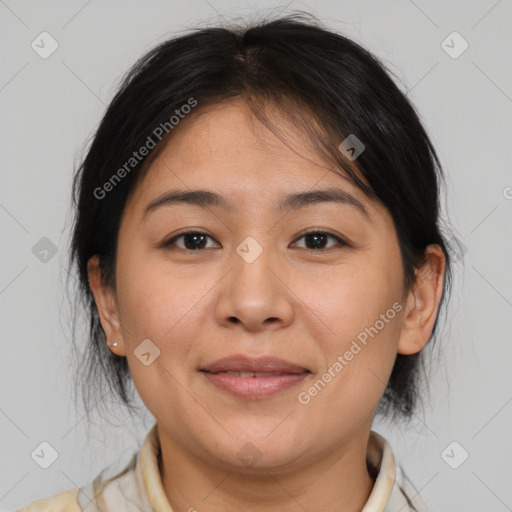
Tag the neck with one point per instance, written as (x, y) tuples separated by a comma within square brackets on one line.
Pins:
[(337, 481)]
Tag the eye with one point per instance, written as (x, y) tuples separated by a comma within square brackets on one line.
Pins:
[(192, 241), (316, 239), (197, 240)]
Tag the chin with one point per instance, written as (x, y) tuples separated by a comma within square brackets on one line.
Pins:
[(258, 453)]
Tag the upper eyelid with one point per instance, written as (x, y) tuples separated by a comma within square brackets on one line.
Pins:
[(340, 240)]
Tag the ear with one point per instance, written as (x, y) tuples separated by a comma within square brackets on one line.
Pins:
[(422, 303), (104, 297)]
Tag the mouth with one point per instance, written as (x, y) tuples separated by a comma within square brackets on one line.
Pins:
[(253, 374), (252, 379)]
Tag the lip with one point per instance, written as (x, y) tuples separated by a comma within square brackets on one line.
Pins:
[(243, 363), (286, 374)]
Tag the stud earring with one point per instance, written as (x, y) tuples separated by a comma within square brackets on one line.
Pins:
[(113, 344)]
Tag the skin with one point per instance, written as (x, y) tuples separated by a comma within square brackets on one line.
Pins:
[(305, 306)]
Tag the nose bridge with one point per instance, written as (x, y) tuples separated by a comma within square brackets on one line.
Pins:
[(254, 295), (251, 265)]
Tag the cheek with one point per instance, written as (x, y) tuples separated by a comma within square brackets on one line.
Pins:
[(158, 301), (164, 309), (356, 297), (362, 308), (358, 351)]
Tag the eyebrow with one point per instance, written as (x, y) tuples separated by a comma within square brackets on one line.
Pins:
[(207, 198)]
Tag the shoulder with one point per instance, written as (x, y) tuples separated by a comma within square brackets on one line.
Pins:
[(65, 501)]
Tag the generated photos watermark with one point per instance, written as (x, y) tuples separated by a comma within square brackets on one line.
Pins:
[(145, 149), (344, 359)]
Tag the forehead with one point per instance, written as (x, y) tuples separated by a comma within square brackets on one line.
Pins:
[(226, 137), (225, 147)]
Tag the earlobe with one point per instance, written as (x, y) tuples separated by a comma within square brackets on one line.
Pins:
[(423, 303), (104, 297)]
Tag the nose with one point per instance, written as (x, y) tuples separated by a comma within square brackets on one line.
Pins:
[(255, 295)]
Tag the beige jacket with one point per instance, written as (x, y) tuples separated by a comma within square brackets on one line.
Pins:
[(138, 487)]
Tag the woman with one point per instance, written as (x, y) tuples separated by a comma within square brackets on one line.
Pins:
[(257, 241)]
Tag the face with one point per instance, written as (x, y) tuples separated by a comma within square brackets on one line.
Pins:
[(315, 284)]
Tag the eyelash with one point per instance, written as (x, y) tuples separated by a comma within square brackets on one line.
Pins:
[(341, 242)]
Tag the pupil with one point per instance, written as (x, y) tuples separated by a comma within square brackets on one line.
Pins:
[(193, 246), (316, 237)]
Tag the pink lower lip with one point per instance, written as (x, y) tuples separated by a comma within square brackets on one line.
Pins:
[(251, 388)]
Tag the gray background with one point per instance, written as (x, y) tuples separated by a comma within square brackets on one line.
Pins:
[(49, 108)]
